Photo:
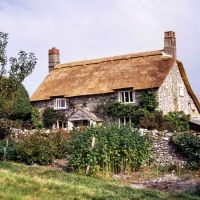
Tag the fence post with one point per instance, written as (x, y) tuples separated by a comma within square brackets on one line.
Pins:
[(4, 149), (91, 149)]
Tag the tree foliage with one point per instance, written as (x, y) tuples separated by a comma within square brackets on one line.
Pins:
[(14, 101), (21, 106)]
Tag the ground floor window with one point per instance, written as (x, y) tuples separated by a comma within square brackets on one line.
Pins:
[(125, 120), (60, 124), (81, 123)]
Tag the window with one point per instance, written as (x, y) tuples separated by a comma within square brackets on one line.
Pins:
[(194, 112), (125, 120), (181, 90), (59, 103), (127, 96)]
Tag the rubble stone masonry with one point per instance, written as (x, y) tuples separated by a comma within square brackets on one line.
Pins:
[(173, 95)]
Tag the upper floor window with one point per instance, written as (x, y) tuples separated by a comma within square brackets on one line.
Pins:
[(59, 103), (127, 96)]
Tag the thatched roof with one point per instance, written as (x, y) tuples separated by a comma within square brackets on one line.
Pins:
[(104, 75), (98, 76)]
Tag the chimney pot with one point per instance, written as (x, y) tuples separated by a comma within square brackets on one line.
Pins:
[(54, 58), (170, 43)]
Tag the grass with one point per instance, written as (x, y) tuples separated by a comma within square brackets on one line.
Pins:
[(19, 181)]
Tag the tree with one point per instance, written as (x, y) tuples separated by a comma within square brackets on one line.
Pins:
[(10, 80), (21, 106)]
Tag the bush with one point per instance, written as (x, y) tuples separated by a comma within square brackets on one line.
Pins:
[(189, 146), (179, 119), (173, 121), (36, 118), (40, 147), (117, 149), (6, 125)]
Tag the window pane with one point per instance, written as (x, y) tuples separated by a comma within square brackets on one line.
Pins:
[(62, 103), (122, 120), (122, 95), (126, 96), (131, 96), (127, 120)]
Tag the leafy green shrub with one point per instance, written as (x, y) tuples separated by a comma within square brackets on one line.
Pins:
[(36, 118), (173, 121), (40, 147), (189, 146), (6, 125), (179, 119), (8, 150), (117, 149)]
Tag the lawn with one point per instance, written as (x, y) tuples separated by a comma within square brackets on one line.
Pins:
[(19, 181)]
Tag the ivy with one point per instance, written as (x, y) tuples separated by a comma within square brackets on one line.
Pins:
[(114, 109), (145, 114), (148, 100)]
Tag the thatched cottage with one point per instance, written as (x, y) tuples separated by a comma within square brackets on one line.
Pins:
[(86, 83)]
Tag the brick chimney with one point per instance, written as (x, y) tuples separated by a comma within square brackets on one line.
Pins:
[(54, 58), (170, 43)]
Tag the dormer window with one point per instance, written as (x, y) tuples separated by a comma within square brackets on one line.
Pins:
[(127, 96), (59, 103)]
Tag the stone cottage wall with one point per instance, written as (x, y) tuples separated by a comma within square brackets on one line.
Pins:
[(169, 97), (88, 101)]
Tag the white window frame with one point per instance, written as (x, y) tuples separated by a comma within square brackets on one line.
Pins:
[(194, 113), (58, 103), (125, 123), (122, 96), (181, 90)]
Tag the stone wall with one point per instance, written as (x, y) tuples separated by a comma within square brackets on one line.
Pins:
[(88, 101), (164, 152), (169, 97)]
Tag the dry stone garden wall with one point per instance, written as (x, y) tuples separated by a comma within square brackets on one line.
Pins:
[(164, 152)]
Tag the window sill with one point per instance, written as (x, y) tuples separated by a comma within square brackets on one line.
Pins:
[(59, 108)]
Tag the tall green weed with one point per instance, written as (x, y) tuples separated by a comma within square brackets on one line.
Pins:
[(117, 149)]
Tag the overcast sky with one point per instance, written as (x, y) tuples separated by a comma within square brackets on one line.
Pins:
[(85, 29)]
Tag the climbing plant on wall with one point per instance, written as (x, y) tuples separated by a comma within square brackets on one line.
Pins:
[(114, 109)]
